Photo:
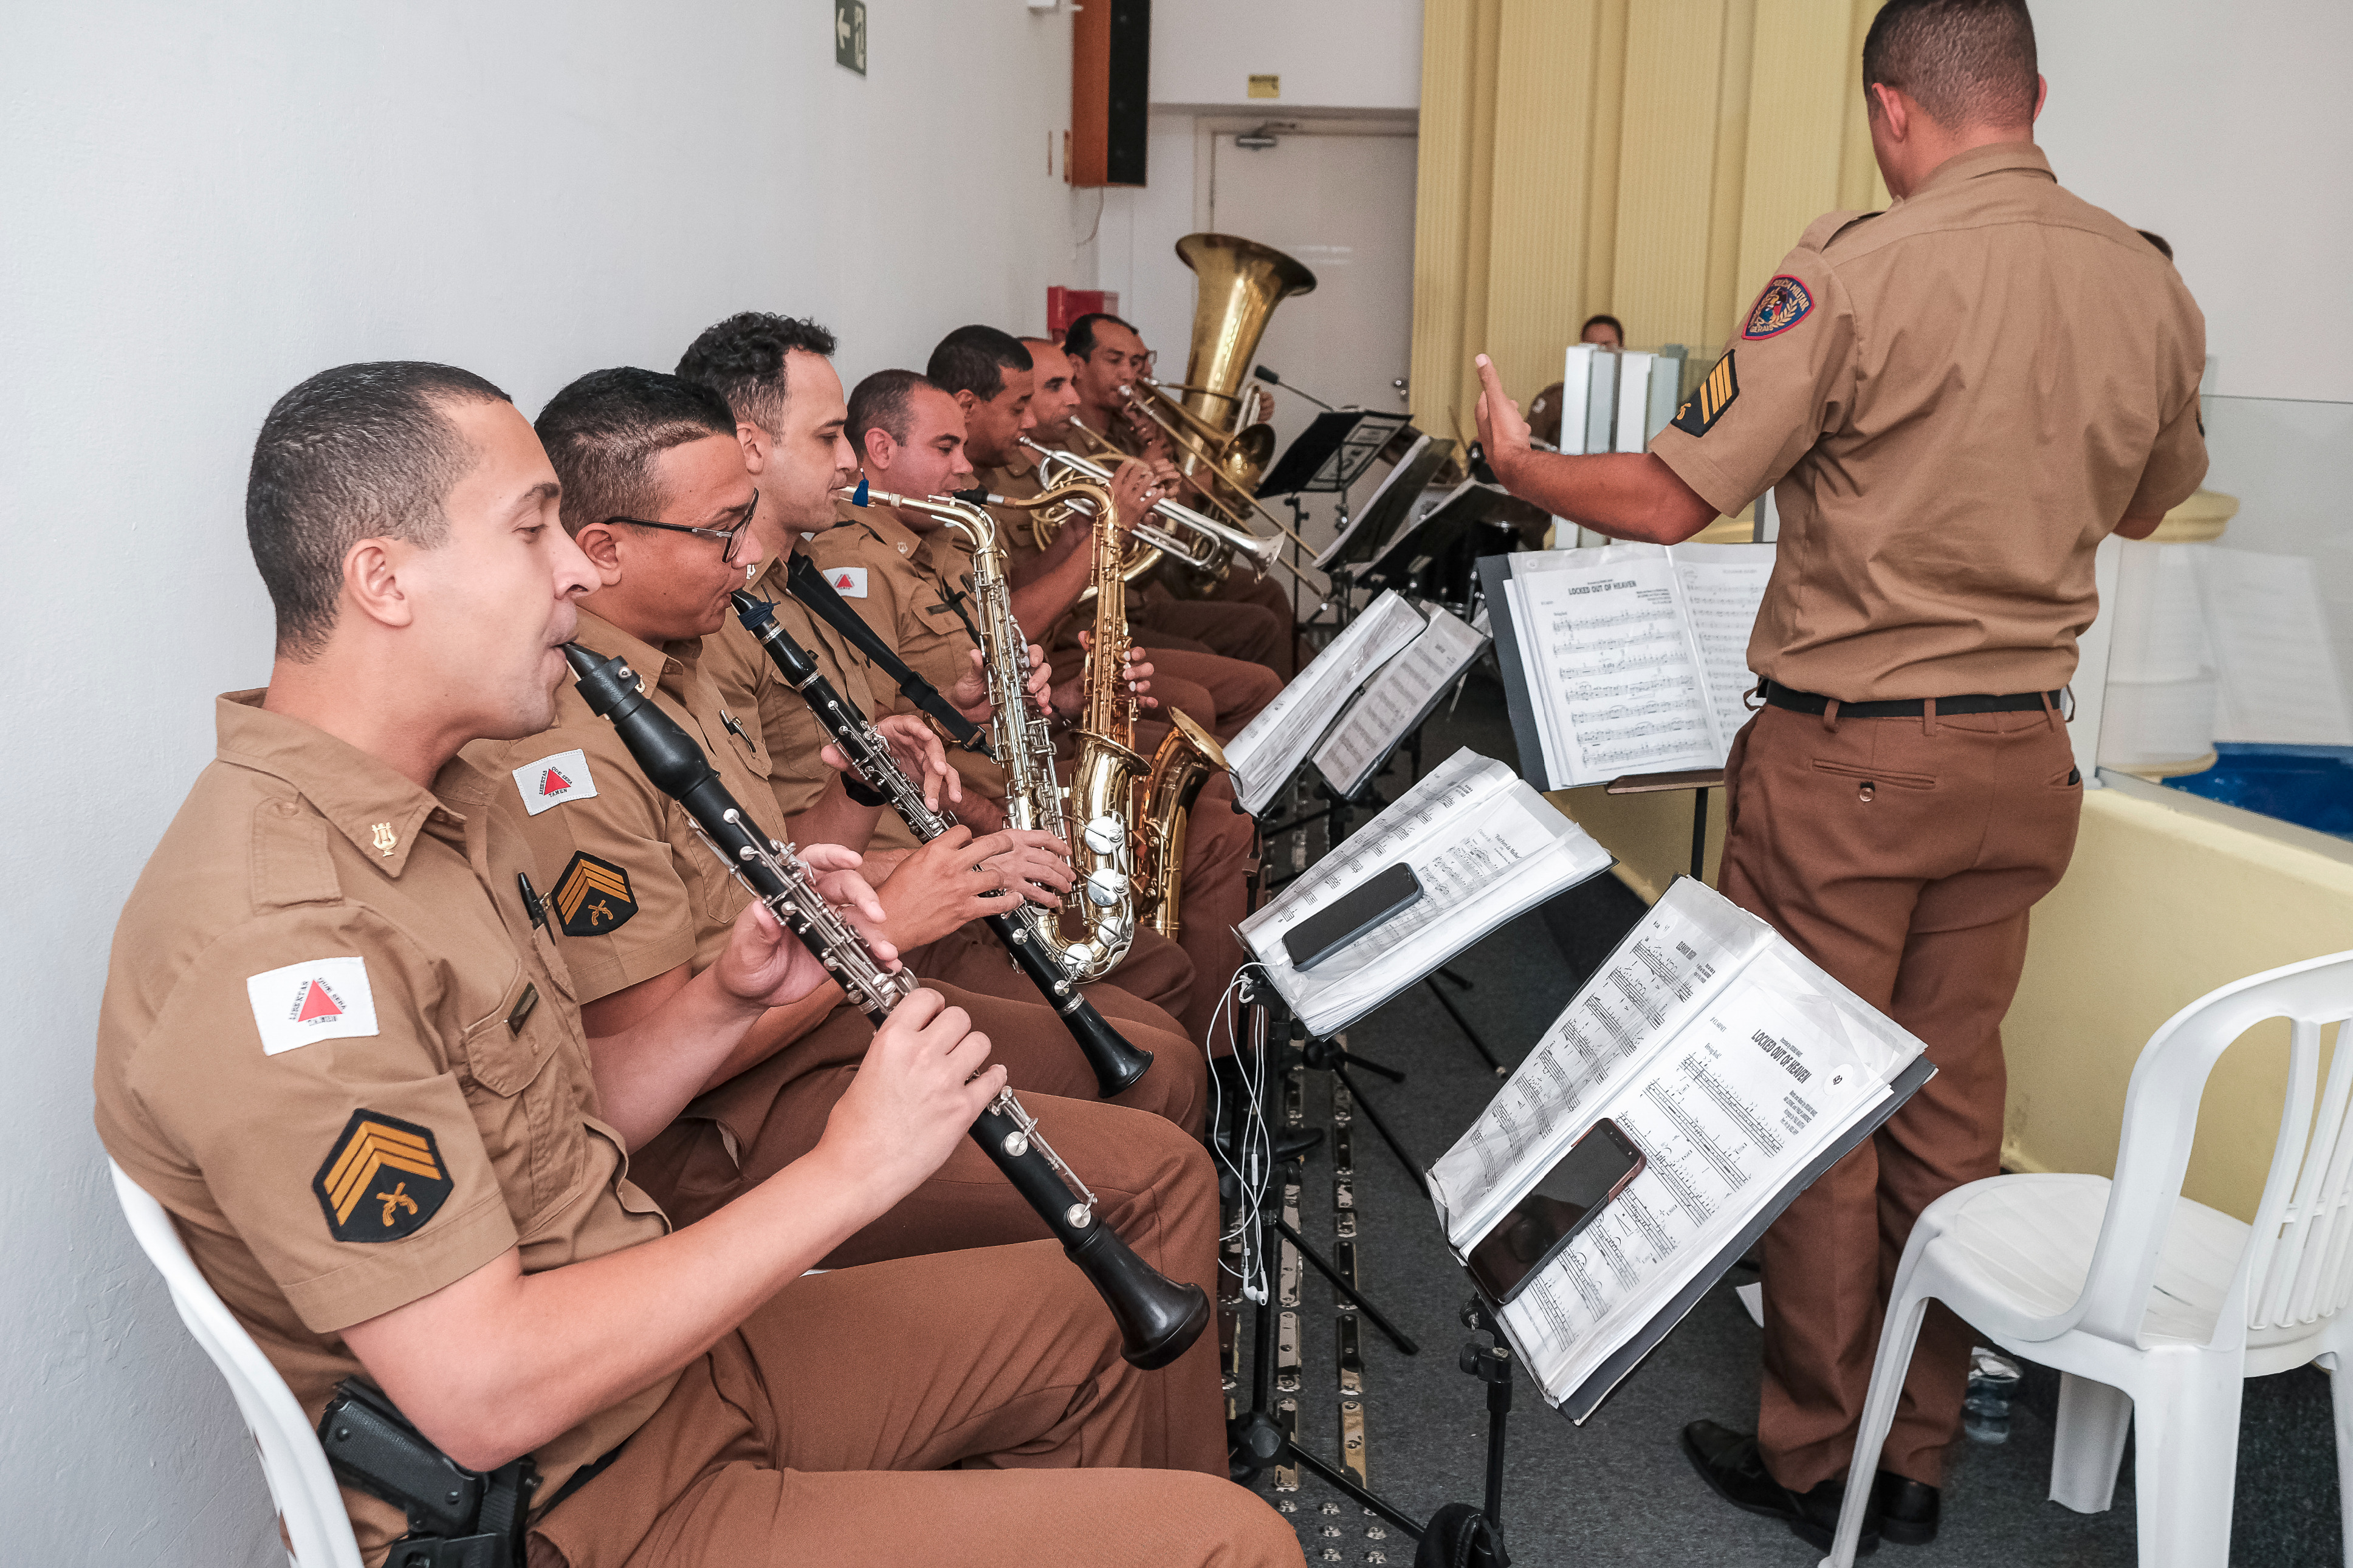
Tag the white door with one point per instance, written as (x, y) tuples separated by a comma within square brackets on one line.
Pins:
[(1342, 204)]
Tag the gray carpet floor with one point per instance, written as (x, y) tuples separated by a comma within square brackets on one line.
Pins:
[(1618, 1490)]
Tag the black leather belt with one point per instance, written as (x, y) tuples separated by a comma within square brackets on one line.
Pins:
[(1913, 708)]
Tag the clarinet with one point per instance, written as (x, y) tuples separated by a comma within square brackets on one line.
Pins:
[(1117, 1064), (1158, 1318)]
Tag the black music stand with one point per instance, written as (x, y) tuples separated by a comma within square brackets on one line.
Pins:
[(1331, 453), (1699, 780), (1470, 504)]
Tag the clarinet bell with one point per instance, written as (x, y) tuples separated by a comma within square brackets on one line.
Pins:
[(1116, 1063), (1158, 1318)]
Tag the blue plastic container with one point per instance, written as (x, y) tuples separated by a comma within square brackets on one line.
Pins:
[(2311, 786)]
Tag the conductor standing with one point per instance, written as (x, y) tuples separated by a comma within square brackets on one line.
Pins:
[(1954, 401)]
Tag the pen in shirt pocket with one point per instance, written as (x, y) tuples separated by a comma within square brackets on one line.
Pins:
[(531, 903)]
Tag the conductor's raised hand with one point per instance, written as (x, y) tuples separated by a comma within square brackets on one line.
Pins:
[(924, 1081), (1503, 434)]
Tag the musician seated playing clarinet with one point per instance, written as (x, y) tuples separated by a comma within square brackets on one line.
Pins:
[(339, 1044)]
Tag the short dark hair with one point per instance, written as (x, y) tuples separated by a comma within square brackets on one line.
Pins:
[(2164, 247), (1079, 341), (1612, 323), (361, 451), (743, 359), (881, 401), (1964, 62), (604, 431), (975, 359)]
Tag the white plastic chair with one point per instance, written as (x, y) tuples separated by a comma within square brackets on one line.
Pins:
[(301, 1484), (2154, 1308)]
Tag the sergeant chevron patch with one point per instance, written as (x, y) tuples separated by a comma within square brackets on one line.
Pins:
[(1707, 402), (593, 898), (382, 1179)]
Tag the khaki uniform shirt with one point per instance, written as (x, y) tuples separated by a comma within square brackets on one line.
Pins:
[(334, 1047), (637, 893), (1954, 402), (747, 681), (915, 591)]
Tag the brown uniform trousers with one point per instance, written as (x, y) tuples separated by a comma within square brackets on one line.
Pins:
[(1244, 617), (1157, 1186), (1902, 855), (928, 1412)]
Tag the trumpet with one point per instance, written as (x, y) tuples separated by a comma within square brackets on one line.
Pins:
[(1222, 540), (1158, 1318), (1220, 457)]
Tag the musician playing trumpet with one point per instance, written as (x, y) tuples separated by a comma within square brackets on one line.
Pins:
[(332, 974)]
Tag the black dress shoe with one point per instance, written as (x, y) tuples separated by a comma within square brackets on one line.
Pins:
[(1734, 1471), (1907, 1509)]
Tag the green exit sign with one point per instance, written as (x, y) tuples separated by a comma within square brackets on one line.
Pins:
[(850, 35)]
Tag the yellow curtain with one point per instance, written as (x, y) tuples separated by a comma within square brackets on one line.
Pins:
[(1650, 160)]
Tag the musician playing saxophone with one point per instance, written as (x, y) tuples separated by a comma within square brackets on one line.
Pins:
[(775, 373), (907, 578), (341, 1045), (991, 375)]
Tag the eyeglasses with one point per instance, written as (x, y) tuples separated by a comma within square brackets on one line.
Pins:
[(732, 537)]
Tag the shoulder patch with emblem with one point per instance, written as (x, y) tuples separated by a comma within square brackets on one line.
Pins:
[(552, 780), (1708, 401), (324, 999), (382, 1179), (593, 898), (850, 582), (1782, 305)]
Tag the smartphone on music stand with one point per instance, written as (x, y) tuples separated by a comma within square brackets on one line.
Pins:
[(1388, 892), (1571, 1195)]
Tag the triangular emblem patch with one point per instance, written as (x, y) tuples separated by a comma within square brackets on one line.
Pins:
[(317, 1005), (552, 780)]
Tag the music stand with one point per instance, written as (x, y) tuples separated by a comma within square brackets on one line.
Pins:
[(1391, 502), (1470, 504), (1331, 453)]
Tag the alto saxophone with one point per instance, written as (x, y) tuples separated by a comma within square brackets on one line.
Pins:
[(1108, 768), (1095, 821)]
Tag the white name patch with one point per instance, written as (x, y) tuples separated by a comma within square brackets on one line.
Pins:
[(325, 999), (850, 582), (552, 780)]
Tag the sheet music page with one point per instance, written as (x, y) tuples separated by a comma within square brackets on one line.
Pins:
[(1728, 1058), (1394, 700), (1683, 951), (1722, 585), (1608, 645), (1554, 758), (1275, 743), (2279, 680), (1734, 1107), (1485, 846)]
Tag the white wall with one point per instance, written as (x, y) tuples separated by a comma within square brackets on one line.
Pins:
[(207, 203), (2214, 125), (1333, 54)]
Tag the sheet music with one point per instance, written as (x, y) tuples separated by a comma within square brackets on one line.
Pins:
[(1605, 635), (1730, 1109), (1722, 585), (1275, 743), (1730, 1059), (1485, 846), (2279, 679), (1679, 955), (1395, 700), (1372, 506)]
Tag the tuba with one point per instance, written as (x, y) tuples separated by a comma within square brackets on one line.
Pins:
[(1241, 282)]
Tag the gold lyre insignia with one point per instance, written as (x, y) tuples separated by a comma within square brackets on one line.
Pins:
[(384, 838)]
